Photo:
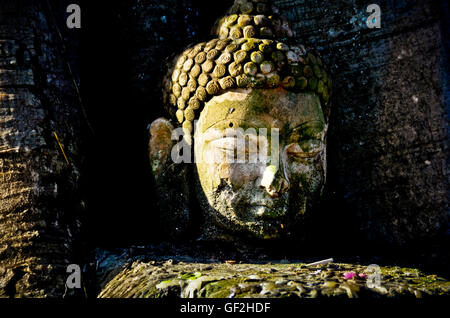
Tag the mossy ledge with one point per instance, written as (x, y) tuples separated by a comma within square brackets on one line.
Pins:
[(159, 279)]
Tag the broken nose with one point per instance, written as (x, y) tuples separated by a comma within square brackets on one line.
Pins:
[(268, 176)]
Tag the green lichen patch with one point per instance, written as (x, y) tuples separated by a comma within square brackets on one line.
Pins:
[(191, 276)]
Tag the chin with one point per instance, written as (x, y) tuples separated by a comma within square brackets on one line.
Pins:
[(263, 223), (265, 230)]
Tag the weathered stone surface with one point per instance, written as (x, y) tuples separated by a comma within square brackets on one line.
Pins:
[(270, 187), (39, 197), (160, 144), (271, 280), (263, 266)]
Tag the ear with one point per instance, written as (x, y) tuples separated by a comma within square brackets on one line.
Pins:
[(170, 180), (160, 145)]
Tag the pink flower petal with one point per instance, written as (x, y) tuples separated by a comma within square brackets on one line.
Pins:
[(349, 275), (362, 275)]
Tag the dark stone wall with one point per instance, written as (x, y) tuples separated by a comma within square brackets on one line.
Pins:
[(388, 141), (125, 46)]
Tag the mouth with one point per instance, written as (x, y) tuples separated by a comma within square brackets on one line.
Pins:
[(262, 211), (269, 205), (267, 211)]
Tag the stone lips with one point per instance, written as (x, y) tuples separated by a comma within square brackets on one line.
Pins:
[(210, 68)]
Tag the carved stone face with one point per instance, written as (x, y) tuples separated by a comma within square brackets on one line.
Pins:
[(261, 184)]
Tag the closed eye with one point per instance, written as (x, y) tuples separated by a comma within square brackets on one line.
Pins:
[(310, 145), (232, 143), (226, 144), (306, 149)]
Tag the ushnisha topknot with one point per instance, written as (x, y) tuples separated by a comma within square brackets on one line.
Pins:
[(254, 48)]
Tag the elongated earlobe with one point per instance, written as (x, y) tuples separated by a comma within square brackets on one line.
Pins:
[(160, 145), (170, 181)]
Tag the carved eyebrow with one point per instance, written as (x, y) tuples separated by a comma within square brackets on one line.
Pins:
[(212, 134), (310, 123), (250, 137), (231, 119), (224, 142), (300, 126), (217, 133)]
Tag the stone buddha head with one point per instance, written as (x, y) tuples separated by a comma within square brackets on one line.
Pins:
[(253, 108)]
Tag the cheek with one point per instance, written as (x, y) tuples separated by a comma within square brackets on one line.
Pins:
[(309, 176), (235, 174)]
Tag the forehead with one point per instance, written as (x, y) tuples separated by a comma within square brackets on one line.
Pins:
[(275, 108)]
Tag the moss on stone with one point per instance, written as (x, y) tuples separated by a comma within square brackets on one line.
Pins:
[(271, 280)]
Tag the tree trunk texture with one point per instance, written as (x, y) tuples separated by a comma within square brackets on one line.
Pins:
[(39, 195), (388, 144)]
